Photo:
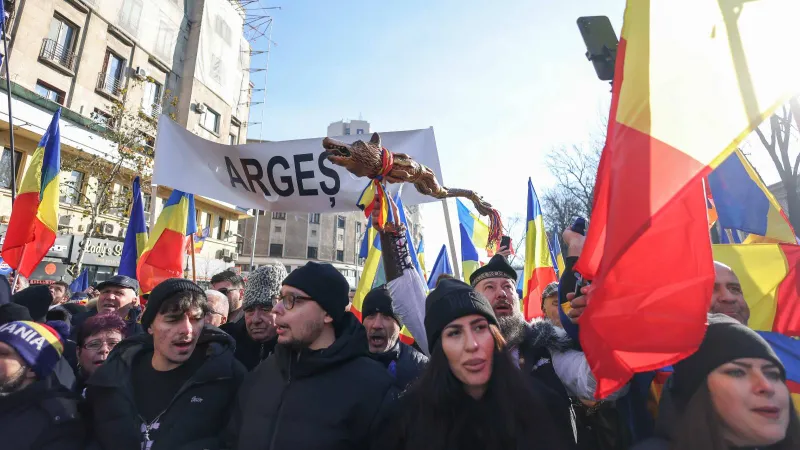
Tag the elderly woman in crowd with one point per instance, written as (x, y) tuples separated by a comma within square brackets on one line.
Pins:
[(96, 337)]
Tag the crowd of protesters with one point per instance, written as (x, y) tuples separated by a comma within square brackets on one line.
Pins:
[(282, 362)]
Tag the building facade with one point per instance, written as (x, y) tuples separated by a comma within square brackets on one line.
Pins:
[(293, 239), (83, 55)]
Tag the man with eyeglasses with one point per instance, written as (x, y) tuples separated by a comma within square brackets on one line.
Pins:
[(231, 284), (96, 338), (255, 335), (217, 308), (319, 389)]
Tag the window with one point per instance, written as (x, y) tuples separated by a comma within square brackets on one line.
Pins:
[(151, 100), (220, 227), (216, 69), (359, 131), (358, 228), (313, 218), (147, 142), (312, 253), (233, 134), (232, 139), (49, 92), (60, 42), (279, 215), (340, 222), (103, 119), (275, 249), (164, 40), (223, 30), (5, 167), (279, 229), (129, 15), (207, 222), (146, 201), (313, 232), (110, 79), (210, 120), (361, 261), (340, 255), (73, 186), (347, 131)]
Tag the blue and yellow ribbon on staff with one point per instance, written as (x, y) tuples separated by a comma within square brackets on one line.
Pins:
[(374, 194)]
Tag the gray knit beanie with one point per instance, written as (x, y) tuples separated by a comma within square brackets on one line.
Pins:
[(263, 284)]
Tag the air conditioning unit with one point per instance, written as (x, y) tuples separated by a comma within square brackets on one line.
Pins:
[(64, 221), (234, 256), (200, 108), (226, 253), (141, 73), (106, 228), (80, 228)]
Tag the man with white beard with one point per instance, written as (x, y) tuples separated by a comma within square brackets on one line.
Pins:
[(539, 348)]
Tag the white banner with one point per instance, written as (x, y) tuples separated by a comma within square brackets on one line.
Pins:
[(277, 176)]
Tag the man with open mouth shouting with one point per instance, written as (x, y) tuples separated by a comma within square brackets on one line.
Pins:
[(404, 362), (171, 387)]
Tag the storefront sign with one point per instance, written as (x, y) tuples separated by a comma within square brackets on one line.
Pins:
[(99, 252), (61, 247), (48, 272)]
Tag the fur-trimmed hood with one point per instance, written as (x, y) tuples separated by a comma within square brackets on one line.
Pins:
[(540, 332)]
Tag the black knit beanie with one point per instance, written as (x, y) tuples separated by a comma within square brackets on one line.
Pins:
[(37, 298), (164, 291), (378, 300), (324, 284), (725, 341), (12, 312), (450, 300)]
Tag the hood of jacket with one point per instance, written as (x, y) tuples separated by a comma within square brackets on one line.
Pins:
[(351, 343), (116, 371), (541, 332)]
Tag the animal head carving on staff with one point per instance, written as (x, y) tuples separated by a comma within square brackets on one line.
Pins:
[(370, 159)]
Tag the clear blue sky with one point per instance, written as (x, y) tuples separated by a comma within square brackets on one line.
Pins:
[(501, 83)]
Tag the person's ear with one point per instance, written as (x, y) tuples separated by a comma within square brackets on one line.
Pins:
[(327, 318)]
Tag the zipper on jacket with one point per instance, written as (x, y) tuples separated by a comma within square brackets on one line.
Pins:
[(261, 353), (274, 432)]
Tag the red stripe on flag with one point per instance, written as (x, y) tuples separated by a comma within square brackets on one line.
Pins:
[(408, 340), (636, 292), (787, 311), (27, 239), (794, 387), (539, 279), (163, 261)]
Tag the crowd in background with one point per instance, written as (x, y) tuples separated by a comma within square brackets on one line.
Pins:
[(282, 361)]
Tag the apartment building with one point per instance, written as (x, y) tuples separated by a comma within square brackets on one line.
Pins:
[(81, 55)]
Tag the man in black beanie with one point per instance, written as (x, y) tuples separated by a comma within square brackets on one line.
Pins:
[(404, 362), (319, 389), (181, 376)]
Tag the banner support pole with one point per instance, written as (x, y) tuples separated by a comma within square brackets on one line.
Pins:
[(453, 254), (194, 266)]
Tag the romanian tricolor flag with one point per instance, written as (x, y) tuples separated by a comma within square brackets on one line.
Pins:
[(469, 255), (135, 236), (34, 217), (555, 253), (163, 255), (196, 245), (421, 258), (770, 283), (788, 351), (693, 78), (539, 271), (744, 203), (477, 231)]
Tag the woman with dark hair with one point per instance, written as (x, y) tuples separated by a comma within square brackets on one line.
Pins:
[(96, 337), (470, 396), (730, 394)]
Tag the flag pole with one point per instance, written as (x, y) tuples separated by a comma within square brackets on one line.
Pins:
[(10, 115), (453, 254), (194, 266)]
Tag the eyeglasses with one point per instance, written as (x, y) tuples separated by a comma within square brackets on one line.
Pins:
[(288, 300), (98, 344), (223, 291)]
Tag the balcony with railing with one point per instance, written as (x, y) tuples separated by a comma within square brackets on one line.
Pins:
[(57, 56), (109, 85), (151, 111)]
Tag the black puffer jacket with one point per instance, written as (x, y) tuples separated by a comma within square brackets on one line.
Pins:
[(408, 363), (329, 399), (249, 352), (43, 416), (187, 423)]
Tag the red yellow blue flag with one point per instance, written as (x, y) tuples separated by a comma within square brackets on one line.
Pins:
[(135, 236), (34, 218), (539, 271)]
